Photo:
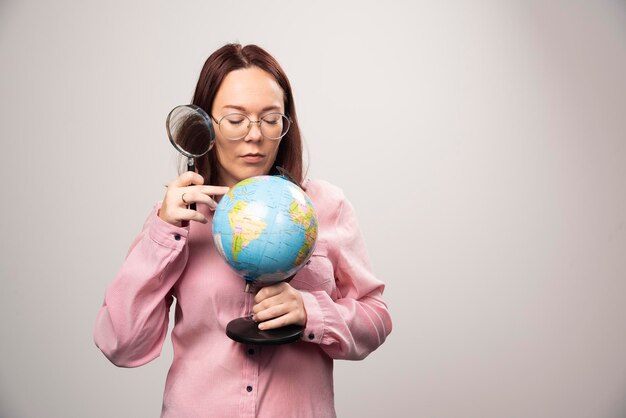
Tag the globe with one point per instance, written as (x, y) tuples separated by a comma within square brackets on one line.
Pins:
[(265, 227)]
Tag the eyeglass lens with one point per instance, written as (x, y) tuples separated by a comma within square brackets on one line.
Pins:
[(237, 126)]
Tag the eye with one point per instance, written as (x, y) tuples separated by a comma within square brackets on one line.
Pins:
[(234, 119), (272, 119)]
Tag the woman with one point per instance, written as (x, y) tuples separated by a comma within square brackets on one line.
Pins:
[(335, 297)]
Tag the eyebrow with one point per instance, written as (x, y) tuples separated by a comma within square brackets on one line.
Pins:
[(243, 109)]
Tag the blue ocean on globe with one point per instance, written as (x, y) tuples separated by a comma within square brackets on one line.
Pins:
[(265, 227)]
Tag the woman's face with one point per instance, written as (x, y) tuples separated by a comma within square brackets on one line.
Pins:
[(254, 93)]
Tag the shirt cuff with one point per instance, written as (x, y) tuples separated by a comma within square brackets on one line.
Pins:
[(166, 234), (314, 330)]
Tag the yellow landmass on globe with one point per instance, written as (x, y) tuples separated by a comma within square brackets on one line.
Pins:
[(304, 216), (245, 230), (300, 215)]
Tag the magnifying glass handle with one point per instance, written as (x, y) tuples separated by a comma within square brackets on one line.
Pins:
[(191, 166)]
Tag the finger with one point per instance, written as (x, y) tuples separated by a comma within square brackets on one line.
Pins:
[(214, 190), (269, 291), (281, 321), (267, 303), (287, 299), (272, 312), (191, 215), (175, 215), (203, 194), (209, 190), (197, 197), (187, 178)]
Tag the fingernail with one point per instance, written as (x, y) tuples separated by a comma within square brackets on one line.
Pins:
[(261, 326)]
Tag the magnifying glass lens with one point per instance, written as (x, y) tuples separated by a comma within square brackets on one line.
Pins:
[(190, 131)]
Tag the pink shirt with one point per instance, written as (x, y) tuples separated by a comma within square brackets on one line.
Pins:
[(213, 376)]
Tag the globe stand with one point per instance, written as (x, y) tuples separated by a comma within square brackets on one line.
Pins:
[(245, 330)]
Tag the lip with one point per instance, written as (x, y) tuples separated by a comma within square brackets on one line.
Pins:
[(252, 157)]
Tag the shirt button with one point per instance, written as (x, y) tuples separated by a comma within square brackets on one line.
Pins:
[(249, 388), (251, 351), (311, 336), (177, 237)]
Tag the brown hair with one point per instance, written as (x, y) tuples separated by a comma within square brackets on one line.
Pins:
[(232, 57)]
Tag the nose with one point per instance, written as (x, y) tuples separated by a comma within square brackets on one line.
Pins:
[(254, 134)]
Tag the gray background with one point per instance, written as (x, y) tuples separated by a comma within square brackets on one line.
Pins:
[(483, 144)]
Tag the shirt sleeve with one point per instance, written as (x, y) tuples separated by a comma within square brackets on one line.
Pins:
[(357, 321), (132, 323)]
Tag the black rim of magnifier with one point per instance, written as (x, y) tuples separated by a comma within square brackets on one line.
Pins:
[(191, 164), (204, 116)]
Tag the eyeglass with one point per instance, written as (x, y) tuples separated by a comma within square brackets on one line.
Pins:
[(235, 126)]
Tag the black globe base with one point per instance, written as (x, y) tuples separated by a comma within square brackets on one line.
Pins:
[(246, 331)]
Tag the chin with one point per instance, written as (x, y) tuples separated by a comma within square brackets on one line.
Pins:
[(244, 174)]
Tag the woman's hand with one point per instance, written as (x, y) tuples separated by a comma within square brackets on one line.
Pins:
[(278, 305), (174, 208)]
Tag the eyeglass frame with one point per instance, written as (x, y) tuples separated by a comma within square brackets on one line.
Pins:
[(258, 122)]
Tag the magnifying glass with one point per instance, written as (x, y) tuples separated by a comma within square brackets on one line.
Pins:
[(191, 132)]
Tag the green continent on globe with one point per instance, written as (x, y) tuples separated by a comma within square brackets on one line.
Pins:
[(245, 229), (305, 216)]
